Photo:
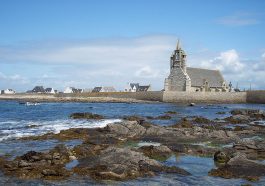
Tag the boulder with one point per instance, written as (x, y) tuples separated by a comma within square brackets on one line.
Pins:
[(238, 119), (156, 152), (129, 129), (85, 115), (240, 167), (121, 164)]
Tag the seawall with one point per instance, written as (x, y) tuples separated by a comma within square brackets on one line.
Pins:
[(166, 96), (207, 97), (257, 96)]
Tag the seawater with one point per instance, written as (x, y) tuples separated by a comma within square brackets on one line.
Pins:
[(17, 120)]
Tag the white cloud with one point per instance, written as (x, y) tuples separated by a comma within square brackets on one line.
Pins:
[(146, 72), (236, 69), (239, 19), (96, 62), (114, 62), (226, 61)]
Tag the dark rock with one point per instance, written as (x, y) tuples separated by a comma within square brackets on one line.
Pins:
[(120, 164), (30, 156), (192, 104), (133, 118), (129, 129), (86, 115), (201, 120), (252, 149), (171, 112), (252, 113), (240, 167), (156, 152), (183, 123), (164, 117), (238, 119)]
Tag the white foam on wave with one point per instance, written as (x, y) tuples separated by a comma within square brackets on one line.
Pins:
[(35, 128)]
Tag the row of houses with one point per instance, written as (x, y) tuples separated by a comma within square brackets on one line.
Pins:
[(42, 90), (130, 87)]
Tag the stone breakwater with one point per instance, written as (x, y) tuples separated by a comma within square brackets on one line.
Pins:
[(106, 155), (136, 97)]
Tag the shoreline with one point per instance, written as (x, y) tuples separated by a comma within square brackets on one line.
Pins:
[(81, 99)]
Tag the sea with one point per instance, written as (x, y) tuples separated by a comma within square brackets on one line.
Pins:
[(20, 120)]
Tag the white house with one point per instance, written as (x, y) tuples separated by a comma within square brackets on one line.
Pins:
[(50, 91), (9, 91), (131, 87), (68, 90), (136, 87)]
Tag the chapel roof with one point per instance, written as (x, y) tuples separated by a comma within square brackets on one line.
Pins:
[(198, 77)]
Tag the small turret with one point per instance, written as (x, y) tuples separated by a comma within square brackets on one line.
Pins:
[(178, 45)]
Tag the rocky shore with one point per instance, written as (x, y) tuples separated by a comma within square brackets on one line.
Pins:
[(52, 98), (106, 155)]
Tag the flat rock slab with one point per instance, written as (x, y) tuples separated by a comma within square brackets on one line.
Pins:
[(122, 164)]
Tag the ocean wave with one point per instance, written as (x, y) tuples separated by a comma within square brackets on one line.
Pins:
[(19, 129)]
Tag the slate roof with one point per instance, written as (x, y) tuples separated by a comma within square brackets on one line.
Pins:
[(48, 89), (109, 89), (97, 89), (134, 84), (198, 76), (143, 88), (104, 89), (39, 89)]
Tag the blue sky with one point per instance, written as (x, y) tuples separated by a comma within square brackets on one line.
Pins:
[(87, 43)]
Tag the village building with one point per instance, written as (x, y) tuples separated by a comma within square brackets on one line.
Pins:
[(183, 78), (50, 91), (136, 87), (38, 89), (104, 89), (8, 91), (70, 90)]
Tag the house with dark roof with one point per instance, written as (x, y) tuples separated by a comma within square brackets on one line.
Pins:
[(38, 89), (104, 89), (136, 87), (8, 91), (183, 78), (50, 91), (70, 90)]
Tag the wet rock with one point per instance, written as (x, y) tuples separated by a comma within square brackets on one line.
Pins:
[(201, 120), (129, 129), (120, 164), (133, 118), (39, 165), (237, 119), (31, 156), (86, 115), (240, 167), (252, 113), (171, 112), (23, 163), (252, 149), (156, 152), (163, 117), (183, 123), (220, 112)]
